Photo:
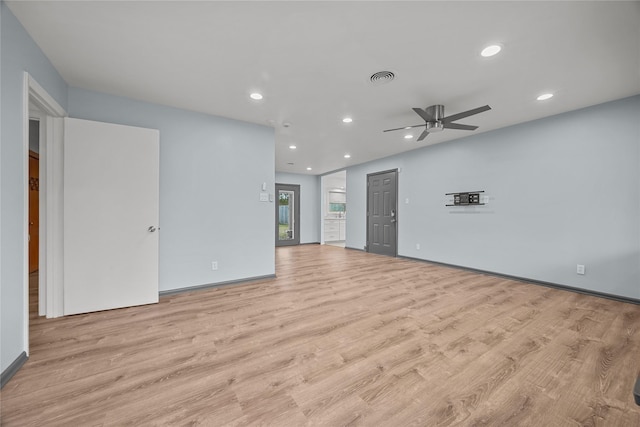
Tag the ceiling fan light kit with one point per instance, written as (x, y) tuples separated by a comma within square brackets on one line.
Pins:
[(435, 121)]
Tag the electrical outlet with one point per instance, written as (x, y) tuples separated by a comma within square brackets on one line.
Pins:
[(214, 265), (580, 269), (418, 246)]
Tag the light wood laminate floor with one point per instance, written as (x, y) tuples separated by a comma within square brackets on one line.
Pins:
[(340, 338)]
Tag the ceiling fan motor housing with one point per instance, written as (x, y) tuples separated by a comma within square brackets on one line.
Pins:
[(435, 111)]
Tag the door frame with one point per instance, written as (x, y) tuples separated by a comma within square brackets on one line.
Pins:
[(395, 171), (296, 213), (50, 114)]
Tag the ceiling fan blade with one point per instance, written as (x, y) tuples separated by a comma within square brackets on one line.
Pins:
[(405, 127), (422, 113), (423, 135), (459, 126), (464, 114)]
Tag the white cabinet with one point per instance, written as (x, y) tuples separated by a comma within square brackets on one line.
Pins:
[(334, 229)]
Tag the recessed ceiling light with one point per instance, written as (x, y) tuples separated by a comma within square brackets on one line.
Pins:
[(293, 147), (255, 95), (490, 50), (308, 169), (544, 96), (347, 156), (408, 136), (347, 120)]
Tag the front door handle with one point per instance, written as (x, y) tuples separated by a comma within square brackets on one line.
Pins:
[(393, 216)]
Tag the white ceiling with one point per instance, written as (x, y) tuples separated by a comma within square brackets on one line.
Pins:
[(312, 61)]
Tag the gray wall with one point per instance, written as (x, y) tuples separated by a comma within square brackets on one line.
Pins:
[(18, 53), (563, 191), (211, 175), (309, 204)]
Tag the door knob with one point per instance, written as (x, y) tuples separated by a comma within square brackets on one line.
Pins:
[(151, 229)]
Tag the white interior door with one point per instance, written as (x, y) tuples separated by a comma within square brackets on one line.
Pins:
[(111, 206)]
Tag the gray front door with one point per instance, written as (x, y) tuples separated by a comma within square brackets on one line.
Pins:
[(287, 214), (382, 189)]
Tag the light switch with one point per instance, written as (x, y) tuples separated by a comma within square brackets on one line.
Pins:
[(264, 197)]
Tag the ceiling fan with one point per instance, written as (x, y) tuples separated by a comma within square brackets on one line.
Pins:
[(436, 122)]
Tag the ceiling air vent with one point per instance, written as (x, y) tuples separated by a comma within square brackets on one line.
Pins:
[(382, 77)]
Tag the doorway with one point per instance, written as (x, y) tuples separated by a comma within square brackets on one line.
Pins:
[(287, 215), (334, 209), (34, 216), (382, 208), (34, 226), (41, 260)]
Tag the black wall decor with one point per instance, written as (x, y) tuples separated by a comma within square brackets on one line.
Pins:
[(470, 198)]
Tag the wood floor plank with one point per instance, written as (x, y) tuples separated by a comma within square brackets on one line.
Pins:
[(340, 337)]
